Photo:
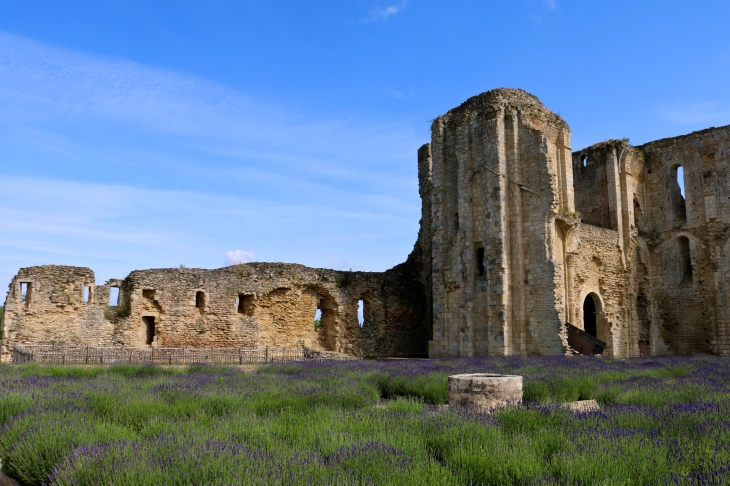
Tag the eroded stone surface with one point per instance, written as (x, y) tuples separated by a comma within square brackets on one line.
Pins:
[(485, 391), (250, 305)]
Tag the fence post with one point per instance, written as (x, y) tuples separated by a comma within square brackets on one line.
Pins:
[(240, 357), (86, 361), (266, 355)]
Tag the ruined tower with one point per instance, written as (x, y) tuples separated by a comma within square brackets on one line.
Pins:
[(497, 189)]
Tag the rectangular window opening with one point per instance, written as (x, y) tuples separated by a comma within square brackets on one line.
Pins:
[(200, 299), (480, 261), (26, 289), (679, 194), (149, 322), (148, 293), (245, 304), (87, 294), (114, 296), (685, 261), (361, 313)]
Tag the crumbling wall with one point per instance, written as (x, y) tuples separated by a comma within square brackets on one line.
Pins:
[(591, 187), (687, 239), (500, 175), (601, 274), (52, 308), (250, 305)]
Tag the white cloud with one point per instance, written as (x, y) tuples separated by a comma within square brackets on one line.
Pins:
[(338, 264), (550, 4), (382, 13), (694, 112), (236, 257)]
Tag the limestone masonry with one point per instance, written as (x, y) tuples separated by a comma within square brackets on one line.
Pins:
[(518, 235)]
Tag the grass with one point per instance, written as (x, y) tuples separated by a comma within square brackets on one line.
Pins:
[(662, 421)]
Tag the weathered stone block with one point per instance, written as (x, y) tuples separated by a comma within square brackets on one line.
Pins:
[(485, 391)]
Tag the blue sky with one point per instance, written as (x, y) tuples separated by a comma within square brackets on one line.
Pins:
[(152, 134)]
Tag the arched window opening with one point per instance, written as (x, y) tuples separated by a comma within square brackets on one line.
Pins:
[(114, 296), (680, 181), (685, 261), (678, 194), (585, 161), (361, 313), (589, 316)]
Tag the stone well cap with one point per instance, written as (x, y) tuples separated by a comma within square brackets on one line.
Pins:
[(484, 375)]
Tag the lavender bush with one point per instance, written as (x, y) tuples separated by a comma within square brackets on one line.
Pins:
[(662, 421)]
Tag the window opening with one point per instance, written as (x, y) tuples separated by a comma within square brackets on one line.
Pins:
[(361, 313), (318, 318), (114, 296), (456, 220), (678, 194), (637, 214), (589, 315), (87, 294), (585, 161), (685, 261), (680, 181), (148, 293), (149, 322), (480, 261), (245, 304), (25, 292), (200, 299)]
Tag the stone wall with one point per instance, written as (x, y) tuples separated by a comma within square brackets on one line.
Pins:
[(499, 178), (687, 238), (250, 305)]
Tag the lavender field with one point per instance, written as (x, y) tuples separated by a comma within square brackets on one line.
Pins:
[(662, 421)]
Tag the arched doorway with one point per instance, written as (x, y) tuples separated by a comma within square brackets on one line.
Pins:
[(589, 316)]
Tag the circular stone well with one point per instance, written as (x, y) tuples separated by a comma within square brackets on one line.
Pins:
[(485, 391)]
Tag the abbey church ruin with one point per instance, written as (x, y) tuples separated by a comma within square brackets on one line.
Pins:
[(519, 235)]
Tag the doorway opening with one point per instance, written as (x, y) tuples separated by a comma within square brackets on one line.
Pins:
[(149, 322), (589, 316)]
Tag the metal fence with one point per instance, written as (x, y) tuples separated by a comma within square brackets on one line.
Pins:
[(88, 355)]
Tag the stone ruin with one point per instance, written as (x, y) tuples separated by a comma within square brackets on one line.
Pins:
[(518, 236)]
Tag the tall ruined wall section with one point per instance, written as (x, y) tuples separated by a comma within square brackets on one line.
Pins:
[(610, 256), (256, 304), (500, 195), (687, 239)]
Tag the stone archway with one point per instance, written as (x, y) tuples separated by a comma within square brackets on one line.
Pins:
[(589, 315), (594, 321)]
